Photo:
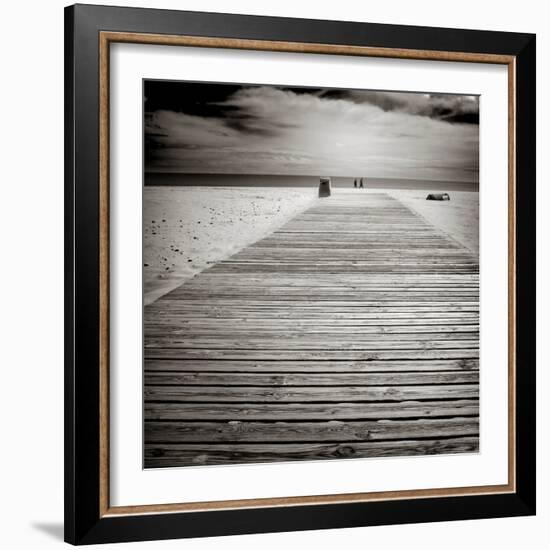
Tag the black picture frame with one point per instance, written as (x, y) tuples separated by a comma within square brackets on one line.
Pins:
[(85, 523)]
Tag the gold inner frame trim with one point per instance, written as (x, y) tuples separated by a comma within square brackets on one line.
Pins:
[(105, 39)]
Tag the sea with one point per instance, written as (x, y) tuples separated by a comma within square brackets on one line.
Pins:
[(175, 179)]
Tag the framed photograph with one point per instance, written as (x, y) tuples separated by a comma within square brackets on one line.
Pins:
[(300, 274)]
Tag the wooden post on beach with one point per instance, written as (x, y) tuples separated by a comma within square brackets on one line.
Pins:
[(324, 187)]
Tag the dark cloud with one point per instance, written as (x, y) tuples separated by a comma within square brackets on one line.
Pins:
[(446, 107)]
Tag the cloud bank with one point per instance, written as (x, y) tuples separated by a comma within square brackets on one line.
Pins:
[(271, 130)]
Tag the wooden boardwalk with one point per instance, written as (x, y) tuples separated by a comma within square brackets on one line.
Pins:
[(352, 331)]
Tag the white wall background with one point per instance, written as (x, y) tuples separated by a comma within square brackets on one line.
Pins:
[(31, 274)]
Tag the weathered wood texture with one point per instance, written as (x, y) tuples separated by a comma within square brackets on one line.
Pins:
[(352, 331)]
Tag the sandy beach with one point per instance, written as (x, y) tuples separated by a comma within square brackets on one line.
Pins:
[(187, 229), (458, 218)]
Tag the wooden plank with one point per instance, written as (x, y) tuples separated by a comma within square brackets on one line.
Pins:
[(323, 290), (309, 379), (308, 394), (285, 432), (309, 411), (314, 331), (434, 322), (302, 344), (351, 339), (162, 456), (310, 355), (319, 325), (326, 302), (331, 317), (316, 319), (310, 366), (326, 295), (423, 279)]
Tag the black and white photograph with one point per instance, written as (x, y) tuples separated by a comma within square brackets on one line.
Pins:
[(310, 273)]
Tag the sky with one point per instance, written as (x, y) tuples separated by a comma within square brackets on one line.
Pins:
[(253, 129)]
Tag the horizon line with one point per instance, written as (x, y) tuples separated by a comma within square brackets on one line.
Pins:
[(176, 172)]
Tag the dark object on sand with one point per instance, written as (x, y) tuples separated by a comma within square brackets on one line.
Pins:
[(361, 183), (438, 197), (355, 183), (324, 187)]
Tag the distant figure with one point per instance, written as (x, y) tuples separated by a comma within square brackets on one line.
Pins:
[(438, 197), (324, 187), (361, 183), (355, 183)]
